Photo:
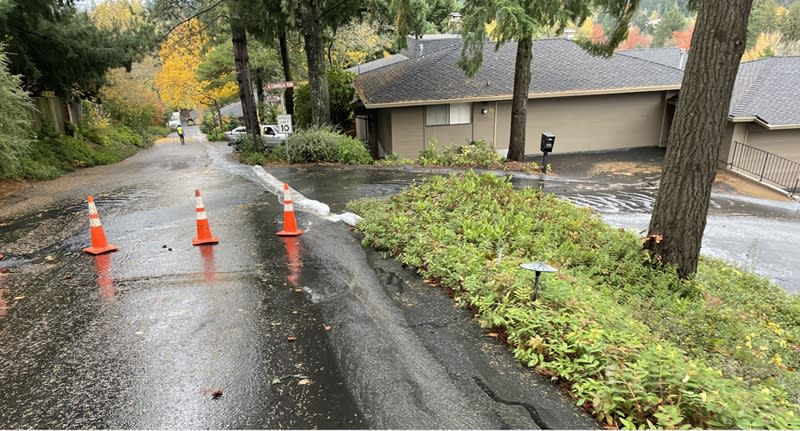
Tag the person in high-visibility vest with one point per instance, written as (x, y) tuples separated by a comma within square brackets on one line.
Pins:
[(179, 129)]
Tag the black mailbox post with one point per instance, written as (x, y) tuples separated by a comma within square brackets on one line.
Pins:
[(548, 140)]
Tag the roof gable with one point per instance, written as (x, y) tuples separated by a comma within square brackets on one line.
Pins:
[(769, 90), (559, 68)]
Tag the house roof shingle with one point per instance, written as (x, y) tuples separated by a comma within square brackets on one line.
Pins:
[(769, 90), (559, 68)]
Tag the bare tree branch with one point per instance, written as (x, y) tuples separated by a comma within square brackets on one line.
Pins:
[(195, 15)]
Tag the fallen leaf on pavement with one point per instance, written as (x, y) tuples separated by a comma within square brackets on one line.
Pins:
[(304, 382), (291, 338), (17, 298)]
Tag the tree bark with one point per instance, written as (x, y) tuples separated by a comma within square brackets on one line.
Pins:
[(519, 102), (315, 56), (681, 207), (288, 94), (259, 79), (243, 78)]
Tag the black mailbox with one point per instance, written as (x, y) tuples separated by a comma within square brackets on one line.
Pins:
[(548, 140)]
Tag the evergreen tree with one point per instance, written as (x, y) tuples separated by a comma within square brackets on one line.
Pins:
[(763, 19), (56, 48), (671, 21), (791, 22), (681, 207), (15, 120)]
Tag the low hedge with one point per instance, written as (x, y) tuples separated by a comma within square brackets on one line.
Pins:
[(321, 144), (634, 344)]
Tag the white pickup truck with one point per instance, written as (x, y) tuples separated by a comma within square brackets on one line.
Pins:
[(269, 134)]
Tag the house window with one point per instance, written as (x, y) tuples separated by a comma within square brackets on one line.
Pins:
[(437, 115), (442, 115), (459, 113)]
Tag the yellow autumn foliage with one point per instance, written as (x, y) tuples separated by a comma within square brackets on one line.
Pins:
[(122, 14), (585, 30), (765, 46), (181, 54)]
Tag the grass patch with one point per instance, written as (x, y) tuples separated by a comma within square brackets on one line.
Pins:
[(633, 343)]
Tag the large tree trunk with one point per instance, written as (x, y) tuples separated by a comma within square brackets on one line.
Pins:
[(242, 61), (519, 102), (315, 56), (679, 215), (288, 94)]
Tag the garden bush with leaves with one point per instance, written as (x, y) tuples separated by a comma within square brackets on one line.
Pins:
[(474, 154), (215, 135), (322, 144), (635, 344)]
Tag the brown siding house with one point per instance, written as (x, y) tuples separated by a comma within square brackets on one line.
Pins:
[(765, 108), (590, 103)]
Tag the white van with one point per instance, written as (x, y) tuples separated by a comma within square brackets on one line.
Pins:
[(174, 120)]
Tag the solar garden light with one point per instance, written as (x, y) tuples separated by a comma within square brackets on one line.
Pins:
[(539, 268), (548, 140)]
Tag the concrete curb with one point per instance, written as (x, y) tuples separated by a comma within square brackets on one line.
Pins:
[(300, 202)]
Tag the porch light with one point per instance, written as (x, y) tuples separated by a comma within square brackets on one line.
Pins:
[(538, 268), (484, 108)]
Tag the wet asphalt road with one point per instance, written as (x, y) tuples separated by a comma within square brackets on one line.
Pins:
[(143, 338)]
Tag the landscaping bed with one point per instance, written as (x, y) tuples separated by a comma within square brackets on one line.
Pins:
[(632, 343)]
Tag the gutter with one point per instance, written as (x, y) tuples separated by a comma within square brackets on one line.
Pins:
[(763, 123)]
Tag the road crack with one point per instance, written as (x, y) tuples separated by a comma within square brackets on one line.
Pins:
[(531, 409)]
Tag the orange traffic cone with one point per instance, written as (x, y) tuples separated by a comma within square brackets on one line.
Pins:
[(289, 222), (99, 243), (203, 229)]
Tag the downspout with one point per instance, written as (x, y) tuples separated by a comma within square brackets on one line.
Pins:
[(494, 133), (663, 120)]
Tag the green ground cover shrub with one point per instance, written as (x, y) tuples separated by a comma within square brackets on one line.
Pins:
[(250, 151), (633, 343), (216, 135), (394, 160), (99, 142), (474, 154)]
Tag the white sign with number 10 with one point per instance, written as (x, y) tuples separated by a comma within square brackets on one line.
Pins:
[(285, 124)]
